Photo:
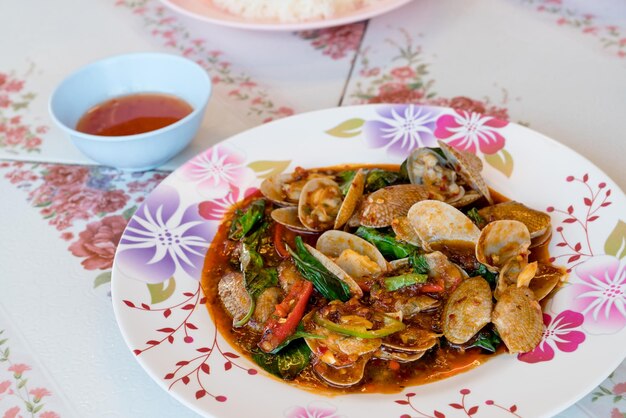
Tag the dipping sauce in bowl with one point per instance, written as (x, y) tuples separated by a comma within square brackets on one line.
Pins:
[(133, 114)]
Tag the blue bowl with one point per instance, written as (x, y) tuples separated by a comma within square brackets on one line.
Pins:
[(128, 74)]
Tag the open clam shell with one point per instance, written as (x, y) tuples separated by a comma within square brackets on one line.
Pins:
[(355, 290), (546, 279), (441, 266), (438, 222), (384, 205), (288, 216), (538, 223), (344, 376), (319, 204), (469, 167), (352, 199), (272, 189), (352, 254), (467, 310), (404, 231), (518, 319), (501, 241), (411, 339)]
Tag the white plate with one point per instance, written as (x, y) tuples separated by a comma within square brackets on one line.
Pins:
[(158, 302), (205, 10)]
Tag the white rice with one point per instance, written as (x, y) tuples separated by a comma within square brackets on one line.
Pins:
[(290, 10)]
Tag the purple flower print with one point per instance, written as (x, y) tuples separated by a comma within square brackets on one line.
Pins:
[(402, 128), (214, 170), (468, 131), (164, 239), (600, 295), (313, 410), (560, 331)]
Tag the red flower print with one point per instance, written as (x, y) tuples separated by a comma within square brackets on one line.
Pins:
[(4, 386), (11, 413), (62, 175), (98, 242), (403, 73), (560, 331), (13, 86), (616, 413), (4, 100), (32, 143), (468, 131), (111, 201), (620, 388), (3, 79), (39, 393), (18, 369), (49, 414)]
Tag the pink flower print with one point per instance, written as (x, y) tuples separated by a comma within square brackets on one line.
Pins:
[(403, 73), (60, 175), (39, 393), (313, 410), (468, 130), (11, 413), (562, 331), (620, 388), (371, 72), (600, 295), (215, 170), (13, 86), (49, 414), (214, 210), (32, 143), (284, 111), (4, 100), (18, 369), (4, 386), (616, 413), (3, 79)]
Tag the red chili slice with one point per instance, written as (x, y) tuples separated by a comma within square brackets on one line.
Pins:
[(286, 316)]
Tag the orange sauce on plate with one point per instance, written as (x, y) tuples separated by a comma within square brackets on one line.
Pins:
[(133, 114)]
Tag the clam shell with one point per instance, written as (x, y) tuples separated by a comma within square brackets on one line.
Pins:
[(518, 319), (272, 189), (384, 205), (508, 274), (412, 339), (355, 290), (538, 223), (319, 216), (469, 167), (404, 231), (289, 217), (438, 222), (439, 265), (467, 310), (350, 202), (467, 199), (546, 279), (335, 243), (344, 376), (415, 167), (386, 353), (500, 241)]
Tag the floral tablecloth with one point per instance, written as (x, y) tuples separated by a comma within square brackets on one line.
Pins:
[(556, 66)]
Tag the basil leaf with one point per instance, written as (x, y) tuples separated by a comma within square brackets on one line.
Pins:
[(245, 221), (475, 217), (378, 178), (487, 340), (419, 263), (386, 243), (300, 333), (255, 279), (481, 270), (346, 178), (312, 270), (286, 364)]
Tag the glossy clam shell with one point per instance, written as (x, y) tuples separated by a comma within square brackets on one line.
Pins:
[(500, 241), (412, 339), (469, 167), (404, 231), (333, 243), (288, 216), (468, 198), (538, 223), (414, 168), (344, 376), (467, 310), (271, 188), (355, 290), (441, 266), (436, 222), (546, 279), (518, 319), (303, 205), (386, 353), (352, 199), (384, 205)]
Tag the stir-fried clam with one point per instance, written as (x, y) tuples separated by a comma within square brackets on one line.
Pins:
[(420, 269)]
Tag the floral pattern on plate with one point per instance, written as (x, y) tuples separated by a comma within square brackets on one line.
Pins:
[(172, 336)]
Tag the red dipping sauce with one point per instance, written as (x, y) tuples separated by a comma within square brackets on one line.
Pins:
[(133, 114)]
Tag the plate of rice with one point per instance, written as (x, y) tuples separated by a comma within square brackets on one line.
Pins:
[(289, 15)]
